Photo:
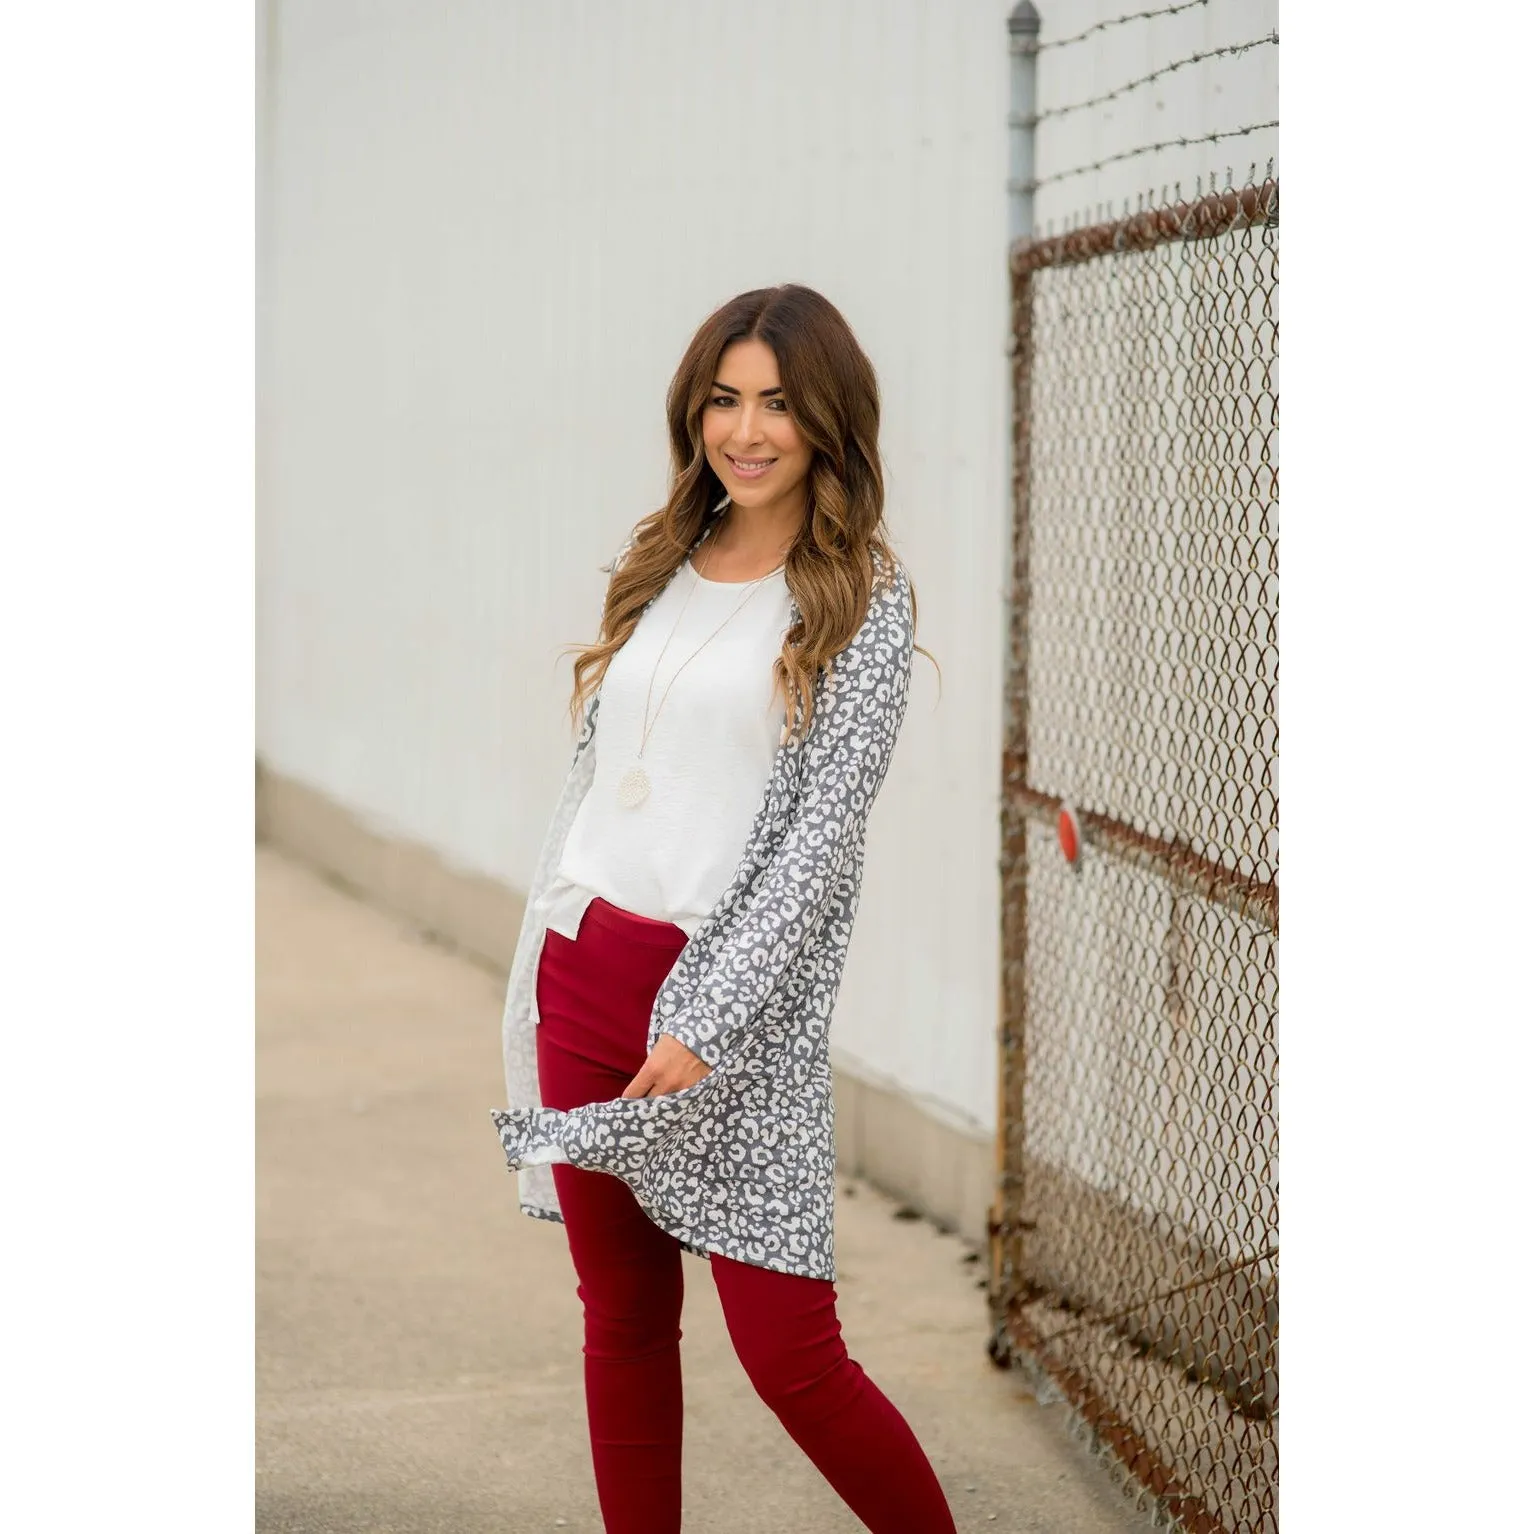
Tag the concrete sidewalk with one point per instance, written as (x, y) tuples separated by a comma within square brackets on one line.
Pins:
[(418, 1361)]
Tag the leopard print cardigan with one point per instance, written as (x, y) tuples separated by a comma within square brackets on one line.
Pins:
[(743, 1161)]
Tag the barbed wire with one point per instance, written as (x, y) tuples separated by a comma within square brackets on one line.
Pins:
[(1155, 74), (1130, 154), (1115, 21)]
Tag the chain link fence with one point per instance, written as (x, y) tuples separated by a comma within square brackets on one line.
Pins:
[(1135, 1237)]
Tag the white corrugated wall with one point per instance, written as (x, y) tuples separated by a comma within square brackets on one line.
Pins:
[(489, 230)]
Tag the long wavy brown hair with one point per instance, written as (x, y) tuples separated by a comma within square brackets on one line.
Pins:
[(841, 550)]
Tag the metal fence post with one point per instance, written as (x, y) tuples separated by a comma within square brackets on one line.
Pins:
[(1023, 45), (1006, 1210)]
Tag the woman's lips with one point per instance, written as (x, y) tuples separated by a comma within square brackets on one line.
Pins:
[(742, 472)]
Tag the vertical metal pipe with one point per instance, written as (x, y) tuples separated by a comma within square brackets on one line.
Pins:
[(1006, 1269), (1023, 46)]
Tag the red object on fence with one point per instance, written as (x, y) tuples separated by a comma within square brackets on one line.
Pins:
[(1069, 833)]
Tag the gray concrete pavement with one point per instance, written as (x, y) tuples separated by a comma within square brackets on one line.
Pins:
[(418, 1339)]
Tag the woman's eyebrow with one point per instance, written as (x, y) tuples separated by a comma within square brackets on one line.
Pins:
[(776, 389)]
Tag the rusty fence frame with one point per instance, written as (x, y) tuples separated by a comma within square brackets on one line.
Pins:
[(1014, 1339)]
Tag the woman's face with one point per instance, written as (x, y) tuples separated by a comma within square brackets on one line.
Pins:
[(746, 421)]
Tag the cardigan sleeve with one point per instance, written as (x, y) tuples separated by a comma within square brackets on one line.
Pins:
[(847, 753)]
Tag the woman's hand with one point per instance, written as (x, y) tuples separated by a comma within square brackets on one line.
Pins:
[(670, 1067)]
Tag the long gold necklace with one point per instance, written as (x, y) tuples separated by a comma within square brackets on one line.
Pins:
[(634, 785)]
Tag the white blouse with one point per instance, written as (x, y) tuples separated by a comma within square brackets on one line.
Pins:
[(708, 757)]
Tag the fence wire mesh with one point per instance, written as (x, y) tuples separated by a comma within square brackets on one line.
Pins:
[(1135, 1252)]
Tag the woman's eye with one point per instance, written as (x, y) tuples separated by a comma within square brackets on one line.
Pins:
[(728, 399)]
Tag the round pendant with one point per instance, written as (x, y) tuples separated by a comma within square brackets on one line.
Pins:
[(633, 788)]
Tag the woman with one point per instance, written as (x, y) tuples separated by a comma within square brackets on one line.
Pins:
[(667, 1014)]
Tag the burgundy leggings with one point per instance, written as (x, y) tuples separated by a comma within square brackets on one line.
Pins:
[(594, 1001)]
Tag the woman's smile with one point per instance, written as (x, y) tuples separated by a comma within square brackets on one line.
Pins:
[(750, 468)]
